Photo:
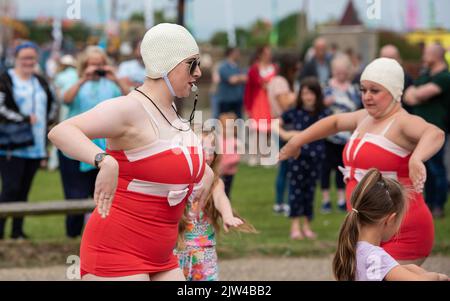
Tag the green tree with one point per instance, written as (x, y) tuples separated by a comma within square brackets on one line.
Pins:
[(219, 38), (287, 31), (79, 32)]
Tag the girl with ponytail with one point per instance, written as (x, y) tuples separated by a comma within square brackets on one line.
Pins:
[(378, 207)]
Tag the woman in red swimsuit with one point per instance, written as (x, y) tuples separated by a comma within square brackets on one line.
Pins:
[(386, 137), (154, 164)]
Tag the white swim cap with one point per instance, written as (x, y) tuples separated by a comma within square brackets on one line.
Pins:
[(164, 46), (388, 73)]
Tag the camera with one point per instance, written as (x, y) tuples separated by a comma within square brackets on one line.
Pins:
[(100, 72)]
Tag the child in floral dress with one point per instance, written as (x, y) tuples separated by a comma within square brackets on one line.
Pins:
[(196, 248)]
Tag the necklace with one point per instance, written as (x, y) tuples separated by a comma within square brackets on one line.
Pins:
[(164, 116)]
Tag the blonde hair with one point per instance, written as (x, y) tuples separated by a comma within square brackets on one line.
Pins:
[(84, 57), (373, 199), (342, 60)]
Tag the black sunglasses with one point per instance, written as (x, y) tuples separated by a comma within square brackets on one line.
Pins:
[(193, 66)]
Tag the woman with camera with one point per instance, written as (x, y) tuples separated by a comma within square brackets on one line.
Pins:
[(97, 82)]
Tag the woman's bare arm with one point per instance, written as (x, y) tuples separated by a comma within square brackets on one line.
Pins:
[(73, 136), (321, 129)]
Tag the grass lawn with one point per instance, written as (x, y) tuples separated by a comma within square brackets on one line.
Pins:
[(252, 195)]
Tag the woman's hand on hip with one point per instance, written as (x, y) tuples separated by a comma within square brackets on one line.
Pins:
[(417, 174), (105, 185)]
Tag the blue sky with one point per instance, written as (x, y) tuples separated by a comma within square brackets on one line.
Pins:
[(207, 16)]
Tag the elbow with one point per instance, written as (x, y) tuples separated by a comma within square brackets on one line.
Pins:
[(441, 136), (54, 135)]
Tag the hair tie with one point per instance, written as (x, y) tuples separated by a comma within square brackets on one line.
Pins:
[(354, 210)]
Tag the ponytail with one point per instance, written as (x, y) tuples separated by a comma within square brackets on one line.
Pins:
[(344, 262), (374, 198)]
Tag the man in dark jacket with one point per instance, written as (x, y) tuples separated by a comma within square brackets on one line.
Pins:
[(319, 65)]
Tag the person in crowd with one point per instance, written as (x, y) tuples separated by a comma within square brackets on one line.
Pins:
[(256, 99), (27, 108), (378, 207), (96, 83), (341, 96), (384, 138), (319, 65), (230, 91), (132, 233), (132, 72), (430, 99), (304, 172), (282, 97)]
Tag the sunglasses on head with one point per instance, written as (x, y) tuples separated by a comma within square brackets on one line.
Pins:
[(193, 66)]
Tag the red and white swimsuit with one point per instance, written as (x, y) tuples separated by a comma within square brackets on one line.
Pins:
[(140, 233), (416, 235)]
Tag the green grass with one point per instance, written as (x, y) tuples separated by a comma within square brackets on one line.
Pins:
[(253, 196)]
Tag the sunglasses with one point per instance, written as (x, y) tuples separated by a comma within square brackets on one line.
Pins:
[(193, 66)]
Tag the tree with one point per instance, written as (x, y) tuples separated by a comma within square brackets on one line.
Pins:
[(287, 31)]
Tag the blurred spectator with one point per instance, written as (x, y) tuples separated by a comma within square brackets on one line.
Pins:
[(51, 65), (229, 149), (215, 80), (430, 99), (231, 86), (391, 52), (97, 82), (334, 50), (282, 98), (319, 65), (341, 96), (25, 99), (447, 58), (66, 74), (256, 99), (357, 65), (304, 171), (132, 72)]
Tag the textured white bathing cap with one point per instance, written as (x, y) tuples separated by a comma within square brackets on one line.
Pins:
[(164, 46), (388, 73)]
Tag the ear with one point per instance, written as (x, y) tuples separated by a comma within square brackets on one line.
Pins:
[(391, 219)]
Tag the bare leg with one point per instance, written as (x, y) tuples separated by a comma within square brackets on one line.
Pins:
[(172, 275), (138, 277), (325, 196), (307, 229), (296, 233), (417, 262), (341, 195)]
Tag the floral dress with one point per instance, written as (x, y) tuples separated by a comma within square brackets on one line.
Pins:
[(198, 258)]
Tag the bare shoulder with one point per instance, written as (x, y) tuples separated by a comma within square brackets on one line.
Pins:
[(360, 115), (406, 119), (124, 108), (354, 118)]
